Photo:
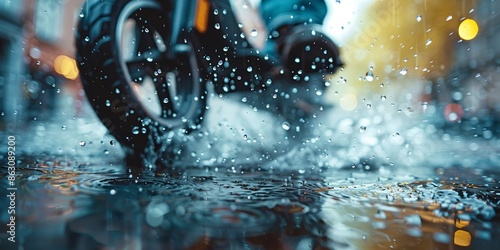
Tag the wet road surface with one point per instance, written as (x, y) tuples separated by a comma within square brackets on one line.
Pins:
[(74, 191)]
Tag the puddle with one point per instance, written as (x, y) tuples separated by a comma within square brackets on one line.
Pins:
[(88, 207)]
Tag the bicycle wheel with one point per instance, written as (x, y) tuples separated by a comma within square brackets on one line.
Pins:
[(137, 92)]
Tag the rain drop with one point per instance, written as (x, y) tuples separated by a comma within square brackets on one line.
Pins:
[(135, 130), (285, 126), (369, 76), (362, 129)]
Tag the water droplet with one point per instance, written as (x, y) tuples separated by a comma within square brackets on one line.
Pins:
[(403, 71), (419, 18), (362, 129), (369, 76), (135, 130), (285, 125)]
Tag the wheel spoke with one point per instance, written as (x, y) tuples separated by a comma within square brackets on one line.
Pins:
[(146, 36), (166, 95), (143, 65)]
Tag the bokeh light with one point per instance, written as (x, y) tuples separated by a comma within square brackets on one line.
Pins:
[(349, 102), (66, 66), (453, 112), (468, 29), (462, 238)]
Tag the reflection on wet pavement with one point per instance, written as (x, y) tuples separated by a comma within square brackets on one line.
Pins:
[(67, 206), (389, 185)]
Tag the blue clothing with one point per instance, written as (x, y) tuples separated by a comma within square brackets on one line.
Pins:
[(277, 13)]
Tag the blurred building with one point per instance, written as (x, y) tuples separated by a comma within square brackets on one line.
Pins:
[(38, 40), (49, 34), (11, 59), (468, 97)]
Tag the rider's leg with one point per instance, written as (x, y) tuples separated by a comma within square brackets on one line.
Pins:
[(294, 26), (279, 13)]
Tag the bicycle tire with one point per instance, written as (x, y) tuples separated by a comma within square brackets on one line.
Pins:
[(110, 83)]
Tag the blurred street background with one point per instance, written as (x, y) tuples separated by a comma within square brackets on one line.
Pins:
[(410, 53)]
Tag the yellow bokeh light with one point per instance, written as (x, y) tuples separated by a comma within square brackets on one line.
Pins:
[(462, 238), (66, 66), (462, 223), (349, 102), (468, 29), (58, 62)]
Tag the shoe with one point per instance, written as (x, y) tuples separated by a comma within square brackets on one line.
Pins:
[(305, 49)]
